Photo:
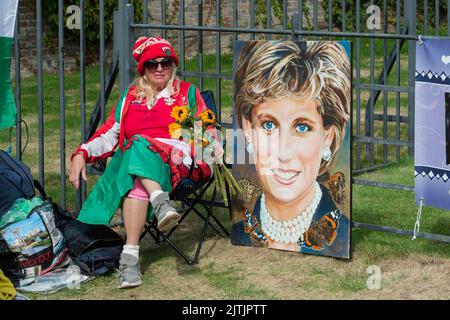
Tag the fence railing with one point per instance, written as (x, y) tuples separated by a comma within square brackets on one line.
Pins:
[(203, 32)]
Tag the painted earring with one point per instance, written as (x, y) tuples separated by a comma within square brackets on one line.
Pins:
[(249, 147), (326, 154)]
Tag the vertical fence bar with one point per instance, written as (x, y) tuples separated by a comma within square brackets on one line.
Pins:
[(425, 17), (358, 82), (285, 17), (252, 18), (235, 22), (145, 17), (330, 17), (181, 39), (397, 95), (126, 16), (129, 39), (218, 62), (315, 17), (269, 18), (300, 18), (372, 98), (102, 61), (294, 24), (200, 45), (62, 110), (82, 91), (18, 93), (344, 16), (119, 37), (385, 94), (163, 17), (145, 12), (448, 18), (40, 90), (410, 12), (436, 12)]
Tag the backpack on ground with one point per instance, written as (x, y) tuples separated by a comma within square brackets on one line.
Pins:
[(16, 181)]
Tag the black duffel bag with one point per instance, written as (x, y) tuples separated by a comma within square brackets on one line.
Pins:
[(94, 248)]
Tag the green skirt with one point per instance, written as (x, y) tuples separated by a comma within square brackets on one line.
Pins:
[(118, 179)]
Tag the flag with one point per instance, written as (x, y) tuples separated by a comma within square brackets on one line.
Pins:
[(8, 11), (432, 123)]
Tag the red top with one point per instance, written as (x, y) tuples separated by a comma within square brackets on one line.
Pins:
[(152, 122)]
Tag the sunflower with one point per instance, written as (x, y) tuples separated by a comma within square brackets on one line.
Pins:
[(175, 130), (204, 142), (199, 142), (207, 117), (179, 113)]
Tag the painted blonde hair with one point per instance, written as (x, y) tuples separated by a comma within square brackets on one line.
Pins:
[(143, 88), (273, 70)]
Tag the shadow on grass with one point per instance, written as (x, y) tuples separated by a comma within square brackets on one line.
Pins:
[(186, 237)]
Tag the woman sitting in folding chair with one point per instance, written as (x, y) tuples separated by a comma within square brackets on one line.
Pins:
[(148, 163)]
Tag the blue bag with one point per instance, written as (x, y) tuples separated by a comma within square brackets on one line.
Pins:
[(16, 181)]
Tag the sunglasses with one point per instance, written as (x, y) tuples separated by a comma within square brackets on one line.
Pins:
[(152, 65)]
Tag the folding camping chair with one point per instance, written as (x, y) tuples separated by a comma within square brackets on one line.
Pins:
[(191, 194)]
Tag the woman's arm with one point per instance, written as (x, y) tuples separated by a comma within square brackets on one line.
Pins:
[(105, 140), (99, 146)]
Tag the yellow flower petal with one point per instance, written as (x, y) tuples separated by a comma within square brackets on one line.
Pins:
[(207, 117), (179, 113), (175, 130)]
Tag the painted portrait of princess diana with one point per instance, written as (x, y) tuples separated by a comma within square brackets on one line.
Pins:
[(293, 106)]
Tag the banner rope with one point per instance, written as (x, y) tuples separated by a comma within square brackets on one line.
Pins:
[(419, 215)]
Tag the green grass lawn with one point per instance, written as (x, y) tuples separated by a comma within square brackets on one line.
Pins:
[(229, 272)]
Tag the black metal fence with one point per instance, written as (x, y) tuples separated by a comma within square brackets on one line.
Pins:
[(384, 34)]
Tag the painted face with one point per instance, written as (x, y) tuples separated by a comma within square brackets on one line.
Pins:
[(288, 137), (160, 75)]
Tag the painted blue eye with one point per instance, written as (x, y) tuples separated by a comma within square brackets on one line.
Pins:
[(268, 125), (302, 128)]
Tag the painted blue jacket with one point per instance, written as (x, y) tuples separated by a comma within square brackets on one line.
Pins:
[(327, 235)]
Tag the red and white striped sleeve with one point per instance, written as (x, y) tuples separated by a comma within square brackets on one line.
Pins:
[(105, 140)]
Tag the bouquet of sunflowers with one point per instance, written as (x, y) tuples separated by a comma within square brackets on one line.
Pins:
[(186, 126)]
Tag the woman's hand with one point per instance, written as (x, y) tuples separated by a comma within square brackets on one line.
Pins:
[(77, 166)]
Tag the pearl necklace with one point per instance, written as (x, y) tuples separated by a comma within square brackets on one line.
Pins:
[(289, 231)]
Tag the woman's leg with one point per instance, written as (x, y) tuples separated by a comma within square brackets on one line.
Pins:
[(134, 215), (150, 185)]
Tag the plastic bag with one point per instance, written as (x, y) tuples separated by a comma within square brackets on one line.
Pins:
[(19, 210)]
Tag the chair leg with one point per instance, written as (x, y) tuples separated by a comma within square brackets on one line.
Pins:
[(174, 246), (209, 209), (209, 223), (148, 229), (192, 208), (221, 226), (190, 204), (202, 237)]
